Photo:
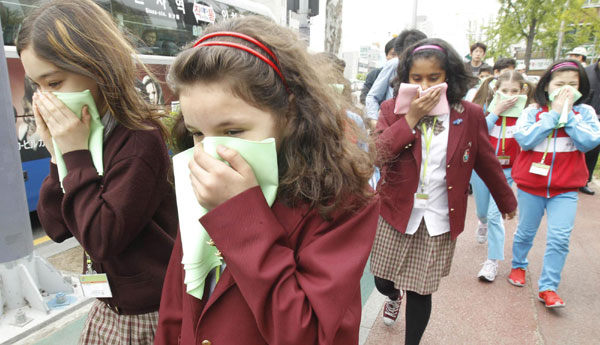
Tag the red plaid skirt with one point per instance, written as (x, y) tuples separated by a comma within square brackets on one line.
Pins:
[(105, 327), (413, 262)]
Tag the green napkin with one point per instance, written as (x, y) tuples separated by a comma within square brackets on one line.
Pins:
[(199, 258), (75, 101), (515, 110), (564, 114)]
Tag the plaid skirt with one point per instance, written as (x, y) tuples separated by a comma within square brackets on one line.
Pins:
[(105, 327), (413, 262)]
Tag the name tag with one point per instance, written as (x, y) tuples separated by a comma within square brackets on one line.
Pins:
[(504, 160), (421, 200), (95, 285), (539, 169)]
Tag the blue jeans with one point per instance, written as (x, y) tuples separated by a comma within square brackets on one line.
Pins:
[(561, 218), (488, 213)]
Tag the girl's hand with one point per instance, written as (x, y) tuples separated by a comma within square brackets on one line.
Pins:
[(42, 128), (215, 182), (504, 105), (69, 132), (420, 106), (564, 96), (509, 216)]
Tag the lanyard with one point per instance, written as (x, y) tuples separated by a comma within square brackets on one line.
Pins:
[(547, 145), (428, 141), (88, 261), (503, 134)]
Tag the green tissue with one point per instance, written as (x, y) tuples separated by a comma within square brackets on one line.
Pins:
[(564, 114), (515, 110), (75, 101), (199, 258)]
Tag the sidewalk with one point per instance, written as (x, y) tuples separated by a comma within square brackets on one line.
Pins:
[(468, 311)]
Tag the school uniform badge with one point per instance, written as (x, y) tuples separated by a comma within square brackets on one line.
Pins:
[(466, 156)]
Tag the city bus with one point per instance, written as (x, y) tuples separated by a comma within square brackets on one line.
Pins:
[(159, 29)]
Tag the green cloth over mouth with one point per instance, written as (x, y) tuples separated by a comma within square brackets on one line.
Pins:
[(515, 110), (75, 101), (564, 114), (199, 258)]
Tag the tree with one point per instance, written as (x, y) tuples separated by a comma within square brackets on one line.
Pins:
[(333, 26), (522, 20), (537, 23)]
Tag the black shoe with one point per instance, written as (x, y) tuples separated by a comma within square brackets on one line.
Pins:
[(586, 190)]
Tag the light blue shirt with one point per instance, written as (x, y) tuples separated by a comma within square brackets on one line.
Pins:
[(381, 90)]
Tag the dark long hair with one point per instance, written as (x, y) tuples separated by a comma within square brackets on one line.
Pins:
[(457, 77), (318, 163), (541, 95)]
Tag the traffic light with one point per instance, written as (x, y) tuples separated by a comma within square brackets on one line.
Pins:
[(313, 7)]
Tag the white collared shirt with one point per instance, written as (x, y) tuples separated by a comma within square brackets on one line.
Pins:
[(436, 213)]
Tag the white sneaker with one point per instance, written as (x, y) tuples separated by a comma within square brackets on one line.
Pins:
[(488, 271), (481, 233), (391, 310)]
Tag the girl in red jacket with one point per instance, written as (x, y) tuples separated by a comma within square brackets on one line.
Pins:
[(427, 163), (291, 271), (114, 198), (501, 132), (550, 169)]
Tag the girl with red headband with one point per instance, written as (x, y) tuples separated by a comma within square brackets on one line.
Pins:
[(290, 273), (550, 169), (429, 143)]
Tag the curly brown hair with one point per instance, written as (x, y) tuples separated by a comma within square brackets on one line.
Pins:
[(318, 162)]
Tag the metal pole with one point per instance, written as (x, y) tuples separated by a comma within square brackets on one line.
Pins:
[(16, 239), (561, 35), (413, 20)]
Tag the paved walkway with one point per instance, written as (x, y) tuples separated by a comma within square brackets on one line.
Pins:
[(468, 311)]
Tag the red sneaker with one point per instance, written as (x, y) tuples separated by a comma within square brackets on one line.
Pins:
[(551, 299), (391, 310), (517, 277)]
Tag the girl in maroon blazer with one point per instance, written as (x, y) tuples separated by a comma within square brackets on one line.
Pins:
[(426, 165), (291, 271), (124, 217)]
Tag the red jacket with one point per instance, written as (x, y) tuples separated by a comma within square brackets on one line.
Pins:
[(468, 148), (511, 146), (291, 277), (568, 169), (126, 220)]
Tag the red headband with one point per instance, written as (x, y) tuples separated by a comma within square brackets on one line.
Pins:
[(564, 65), (201, 43)]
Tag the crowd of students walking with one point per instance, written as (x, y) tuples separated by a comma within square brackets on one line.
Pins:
[(272, 243)]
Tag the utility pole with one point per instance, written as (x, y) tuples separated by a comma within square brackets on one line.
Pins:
[(413, 19), (561, 35)]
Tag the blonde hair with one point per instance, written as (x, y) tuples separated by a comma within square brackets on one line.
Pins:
[(82, 38)]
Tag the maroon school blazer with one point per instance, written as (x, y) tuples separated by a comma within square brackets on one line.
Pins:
[(291, 277), (468, 148)]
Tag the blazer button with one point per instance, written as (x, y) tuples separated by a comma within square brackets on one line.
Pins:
[(448, 166), (451, 210), (449, 187), (206, 342)]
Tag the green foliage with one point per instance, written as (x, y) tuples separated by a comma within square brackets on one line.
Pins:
[(361, 76), (538, 23)]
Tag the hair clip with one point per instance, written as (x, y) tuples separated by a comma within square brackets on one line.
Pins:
[(457, 122)]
